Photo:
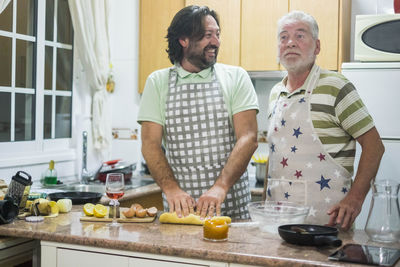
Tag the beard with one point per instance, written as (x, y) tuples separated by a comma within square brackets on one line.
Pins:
[(298, 65), (199, 58)]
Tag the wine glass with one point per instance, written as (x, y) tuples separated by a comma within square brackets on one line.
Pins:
[(115, 190)]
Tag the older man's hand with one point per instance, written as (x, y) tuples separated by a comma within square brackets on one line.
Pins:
[(345, 212), (180, 202)]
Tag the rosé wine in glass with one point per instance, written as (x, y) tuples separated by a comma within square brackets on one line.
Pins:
[(114, 191)]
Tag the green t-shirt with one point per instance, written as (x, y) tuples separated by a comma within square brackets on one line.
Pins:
[(237, 88)]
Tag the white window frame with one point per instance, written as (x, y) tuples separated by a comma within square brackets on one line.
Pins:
[(39, 150)]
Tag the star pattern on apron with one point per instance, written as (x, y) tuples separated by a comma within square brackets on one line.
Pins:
[(301, 171)]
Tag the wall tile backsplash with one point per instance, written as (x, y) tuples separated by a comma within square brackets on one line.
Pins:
[(263, 88)]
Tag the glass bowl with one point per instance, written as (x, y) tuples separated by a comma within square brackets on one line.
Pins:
[(271, 214)]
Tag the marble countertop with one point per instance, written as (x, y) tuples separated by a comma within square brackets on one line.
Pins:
[(256, 189), (135, 193), (246, 244)]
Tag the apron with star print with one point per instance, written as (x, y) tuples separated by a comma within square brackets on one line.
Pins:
[(199, 140), (300, 170)]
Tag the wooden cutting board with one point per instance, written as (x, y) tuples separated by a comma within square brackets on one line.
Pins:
[(122, 219)]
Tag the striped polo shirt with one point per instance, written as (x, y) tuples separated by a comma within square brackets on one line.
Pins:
[(338, 114)]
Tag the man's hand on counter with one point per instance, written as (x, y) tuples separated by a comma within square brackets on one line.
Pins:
[(180, 202), (210, 202)]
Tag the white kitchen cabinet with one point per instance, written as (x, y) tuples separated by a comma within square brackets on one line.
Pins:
[(15, 251), (62, 255), (69, 257), (240, 265), (139, 262)]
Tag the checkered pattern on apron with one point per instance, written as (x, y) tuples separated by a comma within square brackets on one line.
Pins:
[(199, 140)]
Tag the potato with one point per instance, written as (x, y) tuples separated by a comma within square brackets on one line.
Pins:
[(136, 206), (137, 210), (129, 213), (141, 213), (151, 211)]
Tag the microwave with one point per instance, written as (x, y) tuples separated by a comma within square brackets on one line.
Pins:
[(377, 37)]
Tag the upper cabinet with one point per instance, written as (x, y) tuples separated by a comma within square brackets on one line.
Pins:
[(334, 18), (259, 39), (229, 21), (259, 31), (248, 31), (154, 20)]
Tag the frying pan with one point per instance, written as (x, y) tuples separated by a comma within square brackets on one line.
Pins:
[(113, 166), (77, 197), (310, 235)]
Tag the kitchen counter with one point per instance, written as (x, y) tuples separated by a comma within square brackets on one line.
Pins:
[(140, 189), (256, 190), (138, 192), (246, 244)]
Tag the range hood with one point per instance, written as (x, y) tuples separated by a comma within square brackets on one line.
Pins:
[(278, 75)]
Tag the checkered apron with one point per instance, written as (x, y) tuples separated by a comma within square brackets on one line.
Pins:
[(300, 169), (199, 140)]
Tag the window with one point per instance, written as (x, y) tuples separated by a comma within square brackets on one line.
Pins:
[(58, 70), (36, 59)]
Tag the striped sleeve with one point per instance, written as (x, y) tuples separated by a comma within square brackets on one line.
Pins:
[(339, 117), (351, 111), (339, 100)]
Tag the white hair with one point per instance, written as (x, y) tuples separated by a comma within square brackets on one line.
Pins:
[(302, 17)]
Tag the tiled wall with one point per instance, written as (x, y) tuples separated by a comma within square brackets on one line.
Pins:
[(263, 88)]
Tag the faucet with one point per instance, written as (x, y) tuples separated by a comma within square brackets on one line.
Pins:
[(86, 176)]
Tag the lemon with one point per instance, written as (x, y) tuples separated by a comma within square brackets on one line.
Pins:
[(42, 206), (53, 207), (65, 205), (88, 209), (28, 204), (100, 211)]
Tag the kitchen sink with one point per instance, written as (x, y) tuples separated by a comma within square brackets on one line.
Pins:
[(73, 185), (100, 188), (97, 186)]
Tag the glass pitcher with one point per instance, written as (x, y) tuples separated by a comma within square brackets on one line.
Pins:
[(383, 223)]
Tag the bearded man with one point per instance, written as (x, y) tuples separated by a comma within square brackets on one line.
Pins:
[(315, 119), (205, 114)]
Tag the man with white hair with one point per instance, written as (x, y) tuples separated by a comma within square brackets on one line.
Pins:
[(315, 118)]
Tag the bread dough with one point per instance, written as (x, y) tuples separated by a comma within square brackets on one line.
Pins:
[(168, 217)]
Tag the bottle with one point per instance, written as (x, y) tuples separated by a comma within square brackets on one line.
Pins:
[(50, 176)]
